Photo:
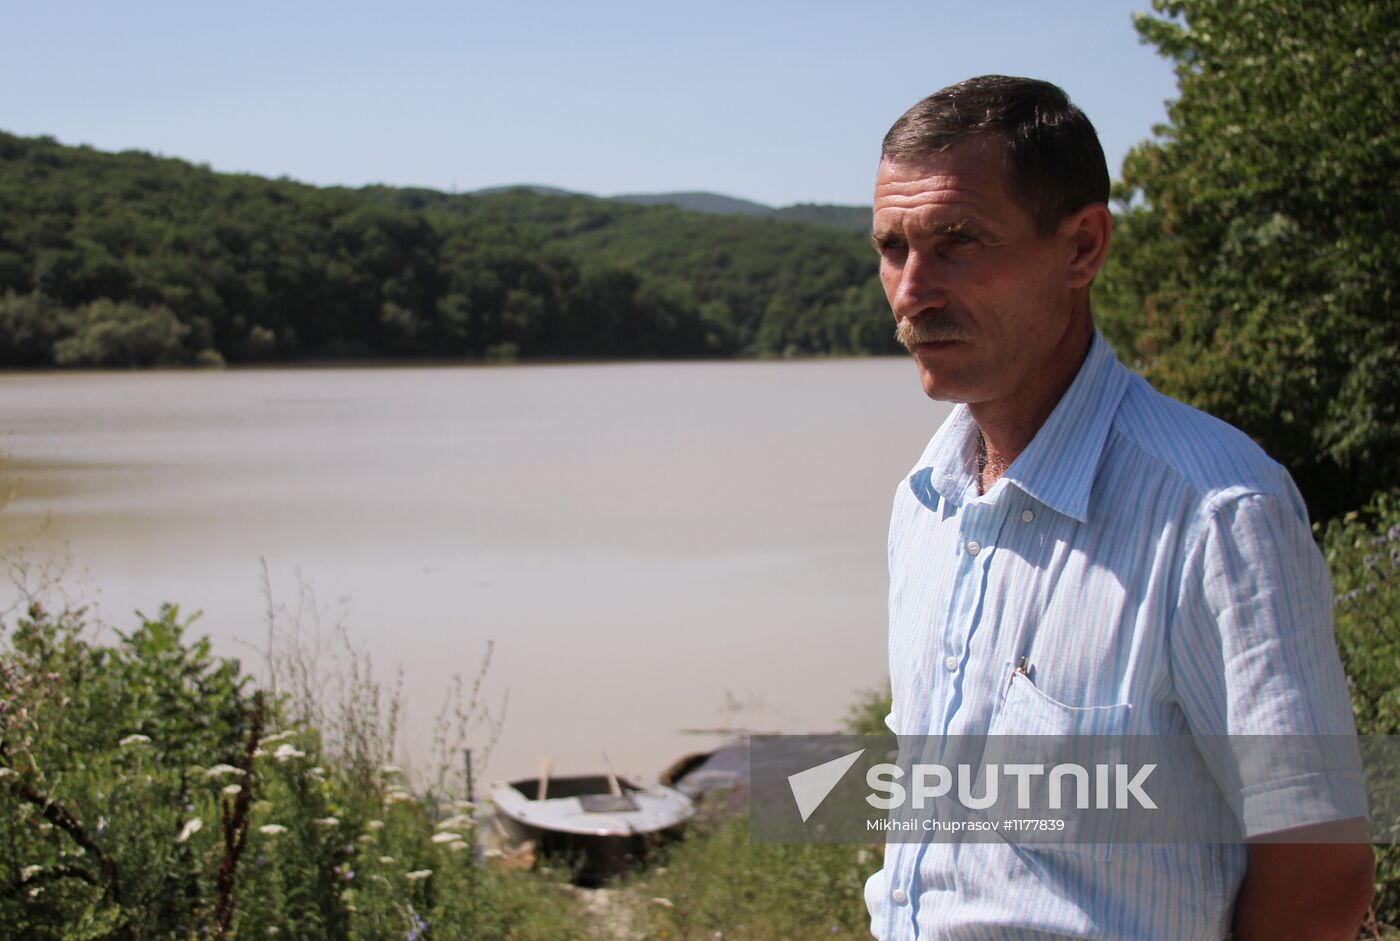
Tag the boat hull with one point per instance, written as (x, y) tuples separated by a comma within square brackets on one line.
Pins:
[(595, 843)]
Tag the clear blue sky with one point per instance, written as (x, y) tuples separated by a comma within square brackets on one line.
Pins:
[(778, 101)]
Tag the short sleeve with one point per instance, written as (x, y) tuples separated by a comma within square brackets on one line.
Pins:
[(1253, 656)]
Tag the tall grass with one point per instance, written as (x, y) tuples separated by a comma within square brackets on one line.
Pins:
[(717, 885), (150, 790)]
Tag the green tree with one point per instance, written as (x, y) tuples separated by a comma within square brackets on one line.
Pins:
[(121, 334), (1257, 269), (29, 325)]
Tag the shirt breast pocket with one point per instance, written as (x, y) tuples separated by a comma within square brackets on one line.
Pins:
[(1031, 727), (1027, 710)]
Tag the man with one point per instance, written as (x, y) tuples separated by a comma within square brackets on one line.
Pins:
[(1075, 553)]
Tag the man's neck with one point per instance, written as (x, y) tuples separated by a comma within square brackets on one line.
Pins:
[(1006, 428)]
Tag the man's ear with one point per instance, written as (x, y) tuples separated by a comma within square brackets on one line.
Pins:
[(1087, 234)]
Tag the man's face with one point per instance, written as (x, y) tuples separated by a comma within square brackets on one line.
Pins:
[(980, 299)]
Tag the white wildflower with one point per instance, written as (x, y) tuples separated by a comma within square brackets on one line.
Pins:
[(375, 825), (365, 838), (390, 769), (218, 771), (463, 807), (447, 837), (272, 931), (8, 772), (397, 796), (279, 737), (232, 789), (417, 874), (326, 822), (454, 823), (271, 829), (287, 750), (386, 860), (664, 903), (29, 872), (135, 739), (317, 773), (494, 853), (458, 846), (192, 826)]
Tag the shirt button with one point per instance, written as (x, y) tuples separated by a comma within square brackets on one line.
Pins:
[(899, 896), (951, 663), (1027, 516), (974, 547)]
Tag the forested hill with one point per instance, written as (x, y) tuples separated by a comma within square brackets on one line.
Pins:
[(850, 218), (131, 259)]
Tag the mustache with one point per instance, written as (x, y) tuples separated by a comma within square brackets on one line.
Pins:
[(915, 330)]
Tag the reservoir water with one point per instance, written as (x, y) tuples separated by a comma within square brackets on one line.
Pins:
[(650, 547)]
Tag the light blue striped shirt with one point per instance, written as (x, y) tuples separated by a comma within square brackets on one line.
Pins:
[(1158, 571)]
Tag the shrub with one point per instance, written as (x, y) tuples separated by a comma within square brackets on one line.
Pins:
[(101, 750), (108, 333), (143, 795), (29, 325), (1363, 554), (866, 716)]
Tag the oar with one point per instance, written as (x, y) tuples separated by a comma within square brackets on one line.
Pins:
[(613, 784), (545, 767)]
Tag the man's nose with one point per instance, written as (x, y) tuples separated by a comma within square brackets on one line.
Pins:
[(921, 284)]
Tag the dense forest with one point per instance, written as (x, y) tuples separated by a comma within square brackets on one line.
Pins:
[(135, 260)]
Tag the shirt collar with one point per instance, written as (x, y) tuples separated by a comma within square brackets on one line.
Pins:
[(1059, 465)]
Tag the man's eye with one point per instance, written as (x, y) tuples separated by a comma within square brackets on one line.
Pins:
[(961, 238)]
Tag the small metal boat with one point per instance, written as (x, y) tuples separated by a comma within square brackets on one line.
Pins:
[(599, 823), (716, 780)]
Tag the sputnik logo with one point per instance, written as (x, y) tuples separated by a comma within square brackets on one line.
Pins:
[(810, 787)]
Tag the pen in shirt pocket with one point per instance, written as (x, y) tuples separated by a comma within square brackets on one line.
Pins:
[(1023, 667)]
